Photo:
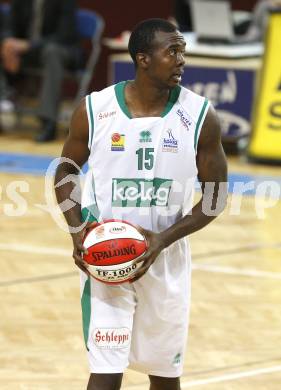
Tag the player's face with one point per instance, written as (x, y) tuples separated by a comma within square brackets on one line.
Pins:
[(167, 58)]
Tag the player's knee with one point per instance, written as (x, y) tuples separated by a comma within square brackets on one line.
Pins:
[(161, 383), (105, 382)]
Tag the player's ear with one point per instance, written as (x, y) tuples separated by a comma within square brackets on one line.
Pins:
[(143, 60)]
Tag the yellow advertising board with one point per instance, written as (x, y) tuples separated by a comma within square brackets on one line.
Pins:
[(265, 142)]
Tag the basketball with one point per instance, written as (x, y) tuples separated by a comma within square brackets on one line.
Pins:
[(113, 246)]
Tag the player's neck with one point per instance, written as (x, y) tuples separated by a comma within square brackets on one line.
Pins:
[(145, 99)]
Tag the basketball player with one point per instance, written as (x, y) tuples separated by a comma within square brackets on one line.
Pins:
[(145, 141)]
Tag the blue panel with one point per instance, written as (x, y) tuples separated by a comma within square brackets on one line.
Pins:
[(25, 163), (230, 91), (123, 71), (38, 165)]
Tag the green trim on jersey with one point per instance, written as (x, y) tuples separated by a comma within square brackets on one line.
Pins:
[(119, 92), (120, 96), (86, 310), (198, 124), (174, 95), (90, 213), (91, 127)]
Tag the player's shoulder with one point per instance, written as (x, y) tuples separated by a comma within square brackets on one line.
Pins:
[(193, 103), (99, 101), (108, 91), (187, 94)]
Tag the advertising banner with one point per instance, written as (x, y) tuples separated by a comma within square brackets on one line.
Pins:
[(265, 142)]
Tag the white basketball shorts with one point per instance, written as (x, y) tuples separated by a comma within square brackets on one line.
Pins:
[(142, 325)]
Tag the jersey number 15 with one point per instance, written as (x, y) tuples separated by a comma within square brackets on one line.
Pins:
[(145, 158)]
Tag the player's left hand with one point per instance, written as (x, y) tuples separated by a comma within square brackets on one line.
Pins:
[(155, 245)]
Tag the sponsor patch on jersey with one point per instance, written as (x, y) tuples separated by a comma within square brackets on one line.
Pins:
[(140, 192), (185, 118), (170, 143), (117, 142), (112, 338), (145, 136), (106, 115)]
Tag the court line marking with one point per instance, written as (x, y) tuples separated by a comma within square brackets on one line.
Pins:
[(201, 267), (235, 271), (221, 378), (233, 251), (231, 368), (66, 253), (231, 377), (35, 279), (15, 247), (40, 250)]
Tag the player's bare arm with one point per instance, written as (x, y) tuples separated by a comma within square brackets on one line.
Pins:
[(76, 151), (212, 174)]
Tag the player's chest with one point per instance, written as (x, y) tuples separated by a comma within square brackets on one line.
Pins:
[(124, 135)]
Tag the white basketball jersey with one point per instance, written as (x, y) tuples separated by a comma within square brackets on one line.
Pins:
[(141, 169)]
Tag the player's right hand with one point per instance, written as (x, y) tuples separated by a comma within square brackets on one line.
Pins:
[(79, 250)]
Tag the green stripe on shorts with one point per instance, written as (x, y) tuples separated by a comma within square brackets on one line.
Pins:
[(86, 310)]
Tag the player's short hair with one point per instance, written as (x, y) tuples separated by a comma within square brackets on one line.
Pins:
[(142, 36)]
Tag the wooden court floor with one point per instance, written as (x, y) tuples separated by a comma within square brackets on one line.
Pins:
[(235, 325)]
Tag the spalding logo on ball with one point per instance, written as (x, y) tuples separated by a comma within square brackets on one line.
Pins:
[(113, 246)]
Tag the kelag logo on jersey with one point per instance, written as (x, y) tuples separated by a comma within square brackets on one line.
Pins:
[(140, 192)]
